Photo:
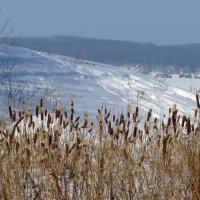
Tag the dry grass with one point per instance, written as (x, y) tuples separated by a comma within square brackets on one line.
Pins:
[(57, 156)]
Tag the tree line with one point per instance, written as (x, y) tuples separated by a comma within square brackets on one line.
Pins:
[(118, 53)]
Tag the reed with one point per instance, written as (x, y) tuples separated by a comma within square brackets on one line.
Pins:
[(49, 155)]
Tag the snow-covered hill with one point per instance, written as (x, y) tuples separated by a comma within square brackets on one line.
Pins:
[(92, 85)]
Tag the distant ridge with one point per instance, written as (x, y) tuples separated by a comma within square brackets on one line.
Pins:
[(147, 57)]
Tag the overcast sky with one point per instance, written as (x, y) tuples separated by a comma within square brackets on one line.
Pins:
[(157, 21)]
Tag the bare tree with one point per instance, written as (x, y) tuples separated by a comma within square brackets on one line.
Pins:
[(14, 89), (78, 59)]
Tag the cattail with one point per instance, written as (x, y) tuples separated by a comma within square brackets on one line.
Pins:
[(41, 103), (192, 127), (149, 115), (108, 115), (106, 120), (28, 153), (31, 119), (164, 146), (117, 122), (195, 113), (14, 116), (110, 129), (126, 135), (135, 131), (117, 134), (72, 116), (61, 119), (65, 115), (35, 138), (71, 103), (162, 125), (114, 118), (42, 116), (58, 113), (136, 111), (76, 120), (121, 118), (105, 110), (10, 112), (128, 124), (50, 139), (188, 126), (183, 121), (72, 106), (33, 124), (20, 113), (17, 147), (197, 99), (174, 121), (45, 112), (146, 128), (49, 120), (37, 111), (90, 130), (168, 122)]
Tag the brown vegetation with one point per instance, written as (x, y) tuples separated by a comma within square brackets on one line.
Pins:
[(57, 156)]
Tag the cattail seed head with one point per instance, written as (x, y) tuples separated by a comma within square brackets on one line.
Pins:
[(14, 116), (45, 112), (197, 100), (41, 103), (10, 112), (37, 111)]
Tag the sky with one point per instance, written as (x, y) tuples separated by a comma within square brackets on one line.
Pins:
[(158, 21)]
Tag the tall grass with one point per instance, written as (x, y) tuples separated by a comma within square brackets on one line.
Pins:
[(56, 155)]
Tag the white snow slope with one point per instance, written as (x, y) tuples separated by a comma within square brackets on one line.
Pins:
[(93, 85)]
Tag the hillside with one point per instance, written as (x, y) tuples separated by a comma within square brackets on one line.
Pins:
[(92, 84), (183, 60)]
